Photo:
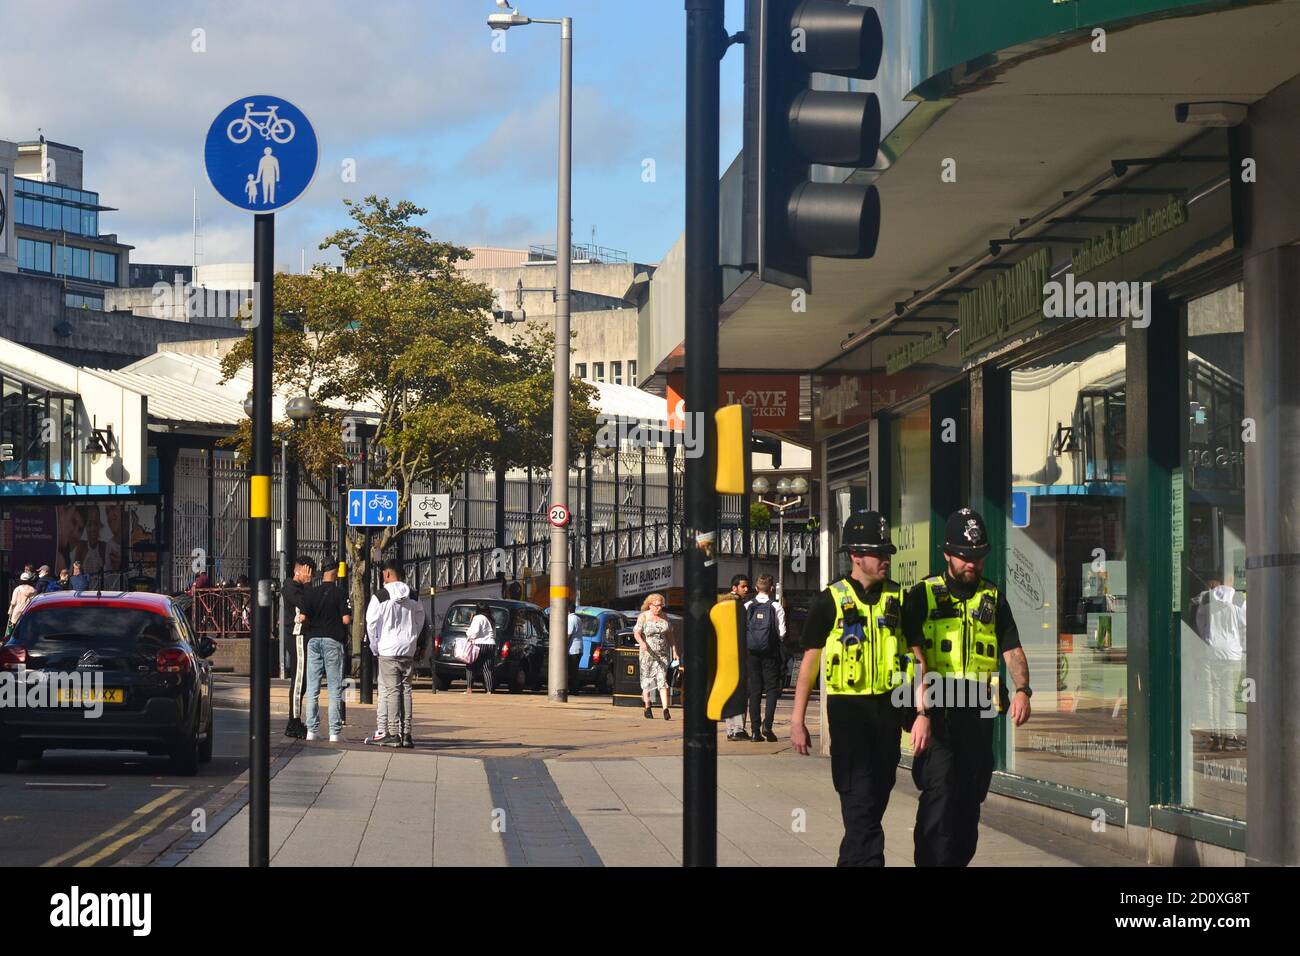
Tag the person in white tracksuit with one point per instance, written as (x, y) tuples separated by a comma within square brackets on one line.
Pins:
[(393, 623)]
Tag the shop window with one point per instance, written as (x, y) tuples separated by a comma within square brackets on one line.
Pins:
[(1067, 565), (1211, 579), (909, 491)]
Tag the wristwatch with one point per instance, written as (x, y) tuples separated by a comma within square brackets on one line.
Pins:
[(1026, 690)]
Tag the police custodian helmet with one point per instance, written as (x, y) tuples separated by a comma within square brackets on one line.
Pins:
[(966, 537), (867, 531)]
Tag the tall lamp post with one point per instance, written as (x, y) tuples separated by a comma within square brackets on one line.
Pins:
[(798, 487), (299, 409), (557, 670)]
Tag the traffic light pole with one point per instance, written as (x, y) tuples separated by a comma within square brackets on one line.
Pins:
[(705, 43), (259, 545)]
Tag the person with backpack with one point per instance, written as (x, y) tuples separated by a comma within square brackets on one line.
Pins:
[(764, 629)]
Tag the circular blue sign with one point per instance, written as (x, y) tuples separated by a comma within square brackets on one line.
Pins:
[(261, 153)]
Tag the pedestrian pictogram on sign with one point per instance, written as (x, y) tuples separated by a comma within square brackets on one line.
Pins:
[(372, 507), (559, 515)]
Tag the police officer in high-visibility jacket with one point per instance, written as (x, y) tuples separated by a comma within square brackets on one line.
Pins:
[(958, 624), (853, 633)]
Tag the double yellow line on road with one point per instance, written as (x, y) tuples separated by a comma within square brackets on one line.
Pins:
[(157, 808)]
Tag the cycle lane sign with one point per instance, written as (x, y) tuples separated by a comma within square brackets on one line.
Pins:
[(261, 153), (372, 508)]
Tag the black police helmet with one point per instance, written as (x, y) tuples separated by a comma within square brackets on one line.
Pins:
[(966, 537), (867, 531)]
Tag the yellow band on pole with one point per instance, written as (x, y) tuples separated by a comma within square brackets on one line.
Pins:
[(259, 496), (560, 592), (343, 569)]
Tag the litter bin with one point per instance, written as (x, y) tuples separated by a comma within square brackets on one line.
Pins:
[(627, 677)]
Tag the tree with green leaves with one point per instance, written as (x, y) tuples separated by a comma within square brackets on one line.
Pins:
[(402, 340)]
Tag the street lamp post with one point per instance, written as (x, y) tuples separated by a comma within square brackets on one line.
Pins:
[(299, 409), (557, 671), (798, 487)]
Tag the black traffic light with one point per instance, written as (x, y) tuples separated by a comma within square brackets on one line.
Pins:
[(789, 127)]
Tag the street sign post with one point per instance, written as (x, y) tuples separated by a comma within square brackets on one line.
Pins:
[(260, 155), (372, 508)]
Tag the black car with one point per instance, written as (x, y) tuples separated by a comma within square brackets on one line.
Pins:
[(121, 671), (520, 660)]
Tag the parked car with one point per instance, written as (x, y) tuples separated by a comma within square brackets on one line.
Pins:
[(156, 690), (600, 627), (520, 662)]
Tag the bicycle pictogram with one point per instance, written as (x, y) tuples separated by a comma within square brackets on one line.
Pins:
[(273, 127)]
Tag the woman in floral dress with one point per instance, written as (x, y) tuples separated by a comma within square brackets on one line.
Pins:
[(654, 633)]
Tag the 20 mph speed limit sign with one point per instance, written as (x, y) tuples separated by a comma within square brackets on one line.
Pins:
[(559, 515)]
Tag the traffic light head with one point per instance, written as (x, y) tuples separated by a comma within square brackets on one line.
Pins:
[(790, 127), (734, 427)]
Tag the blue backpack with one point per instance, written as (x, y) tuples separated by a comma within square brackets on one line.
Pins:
[(760, 626)]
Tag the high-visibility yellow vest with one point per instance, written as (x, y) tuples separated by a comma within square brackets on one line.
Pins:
[(866, 652), (961, 637)]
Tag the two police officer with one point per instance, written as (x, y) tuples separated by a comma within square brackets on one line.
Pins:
[(958, 624), (853, 634)]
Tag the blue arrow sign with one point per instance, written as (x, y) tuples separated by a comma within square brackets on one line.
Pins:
[(372, 508), (261, 153)]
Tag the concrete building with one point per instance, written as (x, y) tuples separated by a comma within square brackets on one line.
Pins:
[(60, 278), (602, 313), (1080, 320)]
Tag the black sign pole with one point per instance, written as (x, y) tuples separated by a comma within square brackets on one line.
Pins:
[(704, 47), (259, 545)]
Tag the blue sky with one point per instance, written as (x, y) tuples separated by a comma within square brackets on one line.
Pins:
[(412, 91)]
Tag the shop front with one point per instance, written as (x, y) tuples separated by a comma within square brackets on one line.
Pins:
[(1083, 388)]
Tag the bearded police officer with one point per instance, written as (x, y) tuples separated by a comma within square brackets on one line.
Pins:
[(853, 632), (957, 624)]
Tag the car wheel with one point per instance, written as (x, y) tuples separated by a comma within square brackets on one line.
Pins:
[(535, 682), (185, 756), (518, 681), (608, 683), (444, 681), (205, 748)]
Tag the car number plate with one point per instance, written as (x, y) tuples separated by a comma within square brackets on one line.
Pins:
[(109, 695)]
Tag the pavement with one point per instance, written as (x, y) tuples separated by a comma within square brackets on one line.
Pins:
[(513, 780)]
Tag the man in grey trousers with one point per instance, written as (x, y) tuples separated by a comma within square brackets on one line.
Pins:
[(393, 623)]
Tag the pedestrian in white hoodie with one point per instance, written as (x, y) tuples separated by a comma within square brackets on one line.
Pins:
[(393, 623)]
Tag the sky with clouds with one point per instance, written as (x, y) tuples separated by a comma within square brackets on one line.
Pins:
[(411, 90)]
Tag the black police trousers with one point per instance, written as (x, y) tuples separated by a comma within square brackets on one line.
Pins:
[(865, 745), (953, 775)]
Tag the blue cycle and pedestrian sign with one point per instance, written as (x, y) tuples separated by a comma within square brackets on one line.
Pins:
[(372, 508), (261, 153)]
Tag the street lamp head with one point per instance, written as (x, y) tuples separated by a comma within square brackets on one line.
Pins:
[(504, 21), (783, 486), (300, 409), (799, 486), (761, 485), (248, 405)]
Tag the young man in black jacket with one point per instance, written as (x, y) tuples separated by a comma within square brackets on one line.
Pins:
[(294, 595)]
